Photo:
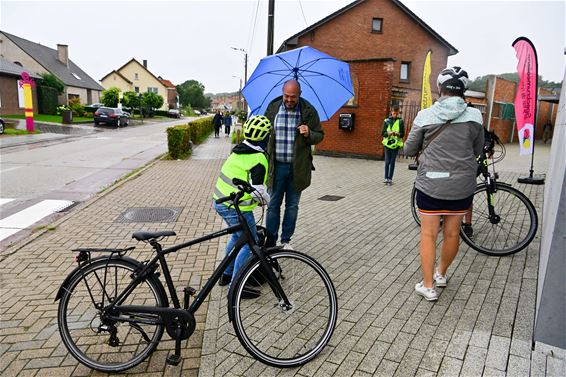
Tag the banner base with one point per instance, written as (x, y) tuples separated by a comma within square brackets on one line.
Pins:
[(532, 180), (413, 166)]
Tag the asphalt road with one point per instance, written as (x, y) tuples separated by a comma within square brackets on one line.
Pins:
[(74, 165)]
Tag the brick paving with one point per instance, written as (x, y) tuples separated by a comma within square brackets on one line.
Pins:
[(481, 325)]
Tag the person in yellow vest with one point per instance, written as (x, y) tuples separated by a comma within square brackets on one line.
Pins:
[(249, 163), (393, 132)]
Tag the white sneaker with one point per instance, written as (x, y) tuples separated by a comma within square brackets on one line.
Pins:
[(287, 246), (440, 280), (428, 293)]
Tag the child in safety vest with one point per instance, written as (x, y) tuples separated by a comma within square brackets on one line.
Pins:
[(393, 132), (249, 163)]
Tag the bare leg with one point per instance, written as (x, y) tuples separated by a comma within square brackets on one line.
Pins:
[(429, 233), (451, 242)]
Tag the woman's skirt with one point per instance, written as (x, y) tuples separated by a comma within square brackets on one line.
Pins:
[(427, 205)]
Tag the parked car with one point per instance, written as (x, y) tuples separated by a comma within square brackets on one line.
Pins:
[(95, 105), (173, 113), (111, 115), (197, 112), (1, 126)]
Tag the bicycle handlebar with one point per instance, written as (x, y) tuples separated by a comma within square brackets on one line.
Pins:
[(243, 186)]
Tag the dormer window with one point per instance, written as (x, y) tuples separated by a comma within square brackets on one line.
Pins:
[(377, 25)]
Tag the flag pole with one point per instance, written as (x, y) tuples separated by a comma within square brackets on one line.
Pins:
[(426, 95), (531, 178)]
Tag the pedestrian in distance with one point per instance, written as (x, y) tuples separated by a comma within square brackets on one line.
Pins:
[(450, 135), (247, 162), (217, 121), (227, 123), (296, 128), (393, 132)]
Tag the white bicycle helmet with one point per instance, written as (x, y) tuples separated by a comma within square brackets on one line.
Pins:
[(453, 78), (257, 128)]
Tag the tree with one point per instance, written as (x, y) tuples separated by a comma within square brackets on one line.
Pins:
[(110, 97), (131, 100), (151, 101), (52, 81), (191, 92), (480, 83)]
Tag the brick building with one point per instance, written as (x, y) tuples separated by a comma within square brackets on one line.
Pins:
[(11, 94), (385, 44)]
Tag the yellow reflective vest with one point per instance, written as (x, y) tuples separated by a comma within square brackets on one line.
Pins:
[(392, 142), (239, 166)]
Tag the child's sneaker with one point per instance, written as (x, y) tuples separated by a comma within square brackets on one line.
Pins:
[(428, 293), (440, 280)]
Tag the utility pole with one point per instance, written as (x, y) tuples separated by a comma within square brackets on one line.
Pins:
[(270, 26)]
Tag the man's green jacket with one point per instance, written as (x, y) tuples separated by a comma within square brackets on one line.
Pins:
[(302, 155)]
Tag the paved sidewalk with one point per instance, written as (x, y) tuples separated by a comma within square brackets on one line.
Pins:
[(481, 325)]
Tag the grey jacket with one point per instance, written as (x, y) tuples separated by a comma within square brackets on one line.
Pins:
[(447, 167)]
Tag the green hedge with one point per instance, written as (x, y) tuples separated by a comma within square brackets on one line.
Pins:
[(46, 100), (179, 138), (179, 141)]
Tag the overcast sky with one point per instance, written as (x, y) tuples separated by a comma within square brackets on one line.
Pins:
[(191, 39)]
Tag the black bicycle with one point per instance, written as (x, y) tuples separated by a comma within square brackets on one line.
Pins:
[(113, 309), (504, 220)]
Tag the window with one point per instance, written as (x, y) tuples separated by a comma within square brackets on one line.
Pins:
[(152, 90), (76, 76), (405, 71), (137, 89), (377, 25), (18, 63), (353, 102), (136, 77)]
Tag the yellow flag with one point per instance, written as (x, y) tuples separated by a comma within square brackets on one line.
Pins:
[(426, 95)]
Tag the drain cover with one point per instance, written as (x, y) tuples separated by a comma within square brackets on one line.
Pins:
[(149, 215), (331, 198)]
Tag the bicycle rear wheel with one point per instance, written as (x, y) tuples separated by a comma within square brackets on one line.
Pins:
[(89, 337), (414, 207), (514, 229), (285, 337)]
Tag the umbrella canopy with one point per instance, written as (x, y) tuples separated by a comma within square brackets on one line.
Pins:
[(325, 81)]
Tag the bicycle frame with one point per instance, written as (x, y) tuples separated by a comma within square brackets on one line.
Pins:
[(149, 267)]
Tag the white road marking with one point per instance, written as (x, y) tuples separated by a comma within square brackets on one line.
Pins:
[(29, 216), (5, 200), (9, 169)]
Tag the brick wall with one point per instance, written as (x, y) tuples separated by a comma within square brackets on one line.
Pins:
[(504, 92), (546, 111), (373, 90)]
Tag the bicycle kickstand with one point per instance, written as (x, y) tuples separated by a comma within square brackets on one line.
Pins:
[(175, 359)]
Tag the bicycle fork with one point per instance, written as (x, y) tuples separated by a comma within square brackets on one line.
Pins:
[(284, 302), (491, 188)]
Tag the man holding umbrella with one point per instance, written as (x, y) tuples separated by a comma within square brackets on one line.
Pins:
[(296, 127)]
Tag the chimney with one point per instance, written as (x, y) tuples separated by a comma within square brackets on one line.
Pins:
[(63, 54), (145, 64)]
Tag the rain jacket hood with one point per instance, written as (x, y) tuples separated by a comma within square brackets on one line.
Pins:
[(445, 109)]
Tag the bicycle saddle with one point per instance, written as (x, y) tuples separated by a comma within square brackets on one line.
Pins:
[(144, 236)]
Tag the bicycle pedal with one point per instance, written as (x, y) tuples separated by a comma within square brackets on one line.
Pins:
[(173, 359)]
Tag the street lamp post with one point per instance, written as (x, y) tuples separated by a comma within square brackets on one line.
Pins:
[(239, 93), (245, 71)]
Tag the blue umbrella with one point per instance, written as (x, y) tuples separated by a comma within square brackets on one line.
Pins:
[(325, 81)]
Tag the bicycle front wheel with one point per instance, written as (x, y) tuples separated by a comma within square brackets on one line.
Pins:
[(109, 345), (513, 228), (279, 336)]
